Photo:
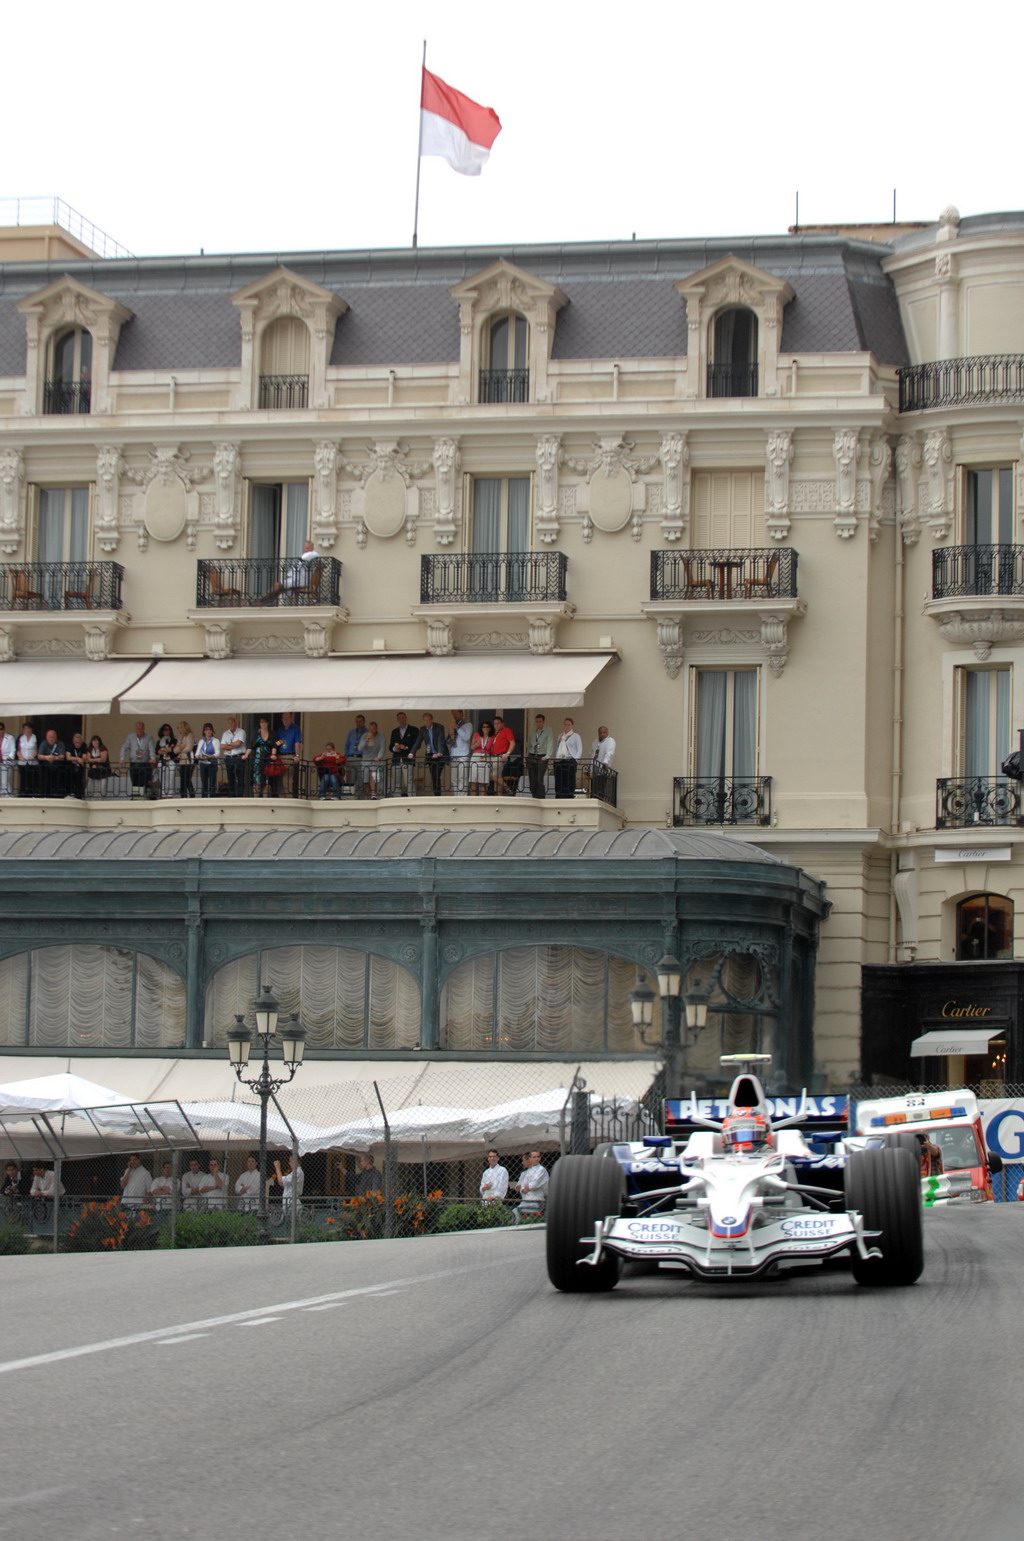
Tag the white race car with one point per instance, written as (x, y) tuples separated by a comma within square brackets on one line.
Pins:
[(732, 1202)]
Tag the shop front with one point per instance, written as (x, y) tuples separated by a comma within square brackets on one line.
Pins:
[(943, 1024)]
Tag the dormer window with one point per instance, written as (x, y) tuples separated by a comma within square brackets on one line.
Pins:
[(287, 336), (733, 367), (68, 388), (508, 376), (284, 364)]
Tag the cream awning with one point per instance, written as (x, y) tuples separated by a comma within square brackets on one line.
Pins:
[(945, 1041), (31, 687), (364, 684)]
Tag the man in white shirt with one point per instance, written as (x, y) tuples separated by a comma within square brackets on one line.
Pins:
[(42, 1183), (215, 1186), (494, 1182), (460, 742), (162, 1189), (247, 1185), (192, 1185), (568, 753), (296, 575), (292, 1181), (8, 755), (232, 747), (602, 752), (533, 1187), (135, 1184)]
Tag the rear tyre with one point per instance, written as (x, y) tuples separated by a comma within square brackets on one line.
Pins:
[(583, 1189), (885, 1186), (905, 1141)]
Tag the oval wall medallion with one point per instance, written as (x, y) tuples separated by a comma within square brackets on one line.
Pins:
[(611, 500), (384, 499), (166, 509)]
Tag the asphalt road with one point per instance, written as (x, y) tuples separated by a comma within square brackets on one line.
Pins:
[(439, 1390)]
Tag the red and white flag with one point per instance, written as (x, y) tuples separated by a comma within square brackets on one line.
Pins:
[(452, 126)]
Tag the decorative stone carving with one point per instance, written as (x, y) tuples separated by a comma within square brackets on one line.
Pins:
[(981, 630), (908, 465), (670, 643), (549, 458), (542, 633), (494, 642), (7, 652), (389, 497), (110, 467), (217, 640), (613, 493), (447, 464), (778, 459), (938, 480), (775, 641), (845, 453), (325, 494), (316, 638), (879, 472), (440, 642), (99, 637), (168, 482), (269, 644), (724, 636), (53, 647), (12, 500), (675, 485), (227, 499), (905, 889)]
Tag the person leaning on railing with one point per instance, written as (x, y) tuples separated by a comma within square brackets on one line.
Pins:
[(479, 774)]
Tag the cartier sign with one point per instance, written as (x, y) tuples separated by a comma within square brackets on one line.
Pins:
[(952, 1009)]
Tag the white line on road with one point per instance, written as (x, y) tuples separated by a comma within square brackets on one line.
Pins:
[(176, 1334), (188, 1337), (261, 1321)]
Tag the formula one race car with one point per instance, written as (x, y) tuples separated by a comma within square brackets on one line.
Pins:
[(730, 1202)]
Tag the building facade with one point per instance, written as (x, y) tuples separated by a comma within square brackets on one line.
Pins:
[(750, 503)]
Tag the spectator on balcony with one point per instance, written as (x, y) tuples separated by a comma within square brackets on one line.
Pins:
[(479, 764), (371, 753), (208, 760), (329, 764), (353, 777), (402, 747), (568, 753), (186, 755), (138, 752), (166, 759), (460, 743), (136, 1184), (261, 751), (98, 761), (295, 576), (435, 748), (602, 752), (28, 762), (540, 748), (8, 756), (247, 1185), (52, 757), (232, 747), (78, 765), (289, 748), (499, 746)]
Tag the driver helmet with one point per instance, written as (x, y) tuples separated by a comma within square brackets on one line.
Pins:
[(746, 1132)]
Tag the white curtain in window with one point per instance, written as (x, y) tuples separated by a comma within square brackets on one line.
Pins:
[(14, 973), (744, 738), (486, 514), (296, 517), (264, 521), (159, 1005), (518, 513), (712, 685), (986, 720), (80, 996)]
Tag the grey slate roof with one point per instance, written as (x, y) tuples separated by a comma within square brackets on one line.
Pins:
[(389, 845), (622, 303)]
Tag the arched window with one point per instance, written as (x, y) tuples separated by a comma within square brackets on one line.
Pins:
[(345, 999), (733, 367), (284, 363), (84, 997), (984, 928), (507, 377), (69, 386)]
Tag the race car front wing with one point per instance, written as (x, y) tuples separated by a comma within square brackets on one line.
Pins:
[(672, 1238)]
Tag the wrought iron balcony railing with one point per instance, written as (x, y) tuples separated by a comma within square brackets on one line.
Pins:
[(726, 574), (283, 391), (951, 382), (732, 379), (61, 585), (66, 397), (265, 581), (721, 800), (977, 570), (526, 577), (967, 802), (499, 385)]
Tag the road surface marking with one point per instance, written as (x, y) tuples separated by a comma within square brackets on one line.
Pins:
[(188, 1337), (261, 1321)]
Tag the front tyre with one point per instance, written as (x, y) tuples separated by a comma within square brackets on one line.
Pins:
[(885, 1186), (583, 1189)]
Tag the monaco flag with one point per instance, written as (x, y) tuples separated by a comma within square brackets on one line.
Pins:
[(452, 126)]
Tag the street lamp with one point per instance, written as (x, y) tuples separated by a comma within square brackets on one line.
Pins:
[(240, 1042), (670, 984)]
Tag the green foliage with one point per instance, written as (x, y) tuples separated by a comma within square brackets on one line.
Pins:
[(217, 1228), (473, 1217), (109, 1228), (14, 1241)]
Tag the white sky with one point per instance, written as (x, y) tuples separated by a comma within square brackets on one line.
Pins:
[(245, 127)]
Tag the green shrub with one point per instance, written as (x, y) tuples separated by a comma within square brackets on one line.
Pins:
[(329, 1231), (218, 1228), (473, 1217), (14, 1241)]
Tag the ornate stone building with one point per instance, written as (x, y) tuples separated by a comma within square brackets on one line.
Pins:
[(752, 504)]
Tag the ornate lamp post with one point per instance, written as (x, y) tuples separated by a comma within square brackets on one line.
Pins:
[(240, 1041), (670, 983)]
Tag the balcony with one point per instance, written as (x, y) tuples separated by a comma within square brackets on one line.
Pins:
[(732, 380), (509, 577), (504, 385), (284, 392), (724, 575), (977, 596), (259, 581), (66, 397), (721, 800), (957, 382), (49, 586), (973, 802)]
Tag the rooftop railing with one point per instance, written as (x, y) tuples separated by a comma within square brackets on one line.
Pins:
[(954, 382)]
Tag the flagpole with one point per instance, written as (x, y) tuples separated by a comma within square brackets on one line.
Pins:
[(419, 155)]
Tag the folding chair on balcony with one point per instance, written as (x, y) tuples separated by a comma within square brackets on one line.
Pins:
[(23, 594)]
